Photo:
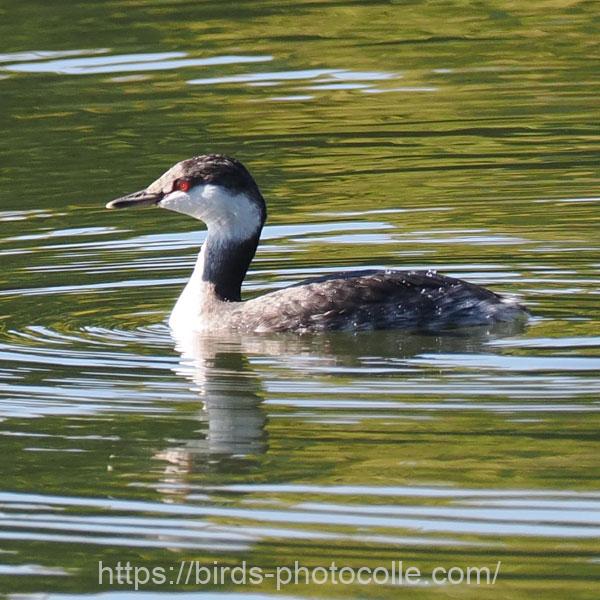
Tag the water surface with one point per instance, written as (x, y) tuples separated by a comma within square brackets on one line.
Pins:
[(461, 138)]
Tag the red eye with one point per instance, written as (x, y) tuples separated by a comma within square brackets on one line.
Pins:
[(183, 185)]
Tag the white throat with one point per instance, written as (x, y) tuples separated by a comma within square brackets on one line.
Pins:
[(227, 215)]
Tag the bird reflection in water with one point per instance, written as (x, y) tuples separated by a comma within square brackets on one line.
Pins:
[(228, 374), (232, 420)]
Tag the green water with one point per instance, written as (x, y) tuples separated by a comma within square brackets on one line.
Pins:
[(459, 136)]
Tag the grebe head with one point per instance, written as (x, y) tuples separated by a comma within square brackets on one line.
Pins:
[(213, 188)]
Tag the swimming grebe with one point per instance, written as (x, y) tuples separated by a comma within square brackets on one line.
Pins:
[(221, 192)]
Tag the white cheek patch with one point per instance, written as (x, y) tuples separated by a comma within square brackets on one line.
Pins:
[(179, 202), (227, 215)]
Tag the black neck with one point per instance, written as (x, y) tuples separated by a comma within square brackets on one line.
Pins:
[(226, 263)]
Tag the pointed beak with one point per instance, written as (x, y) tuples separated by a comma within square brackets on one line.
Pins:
[(141, 198)]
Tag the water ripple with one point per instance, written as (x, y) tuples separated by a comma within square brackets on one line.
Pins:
[(124, 63)]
